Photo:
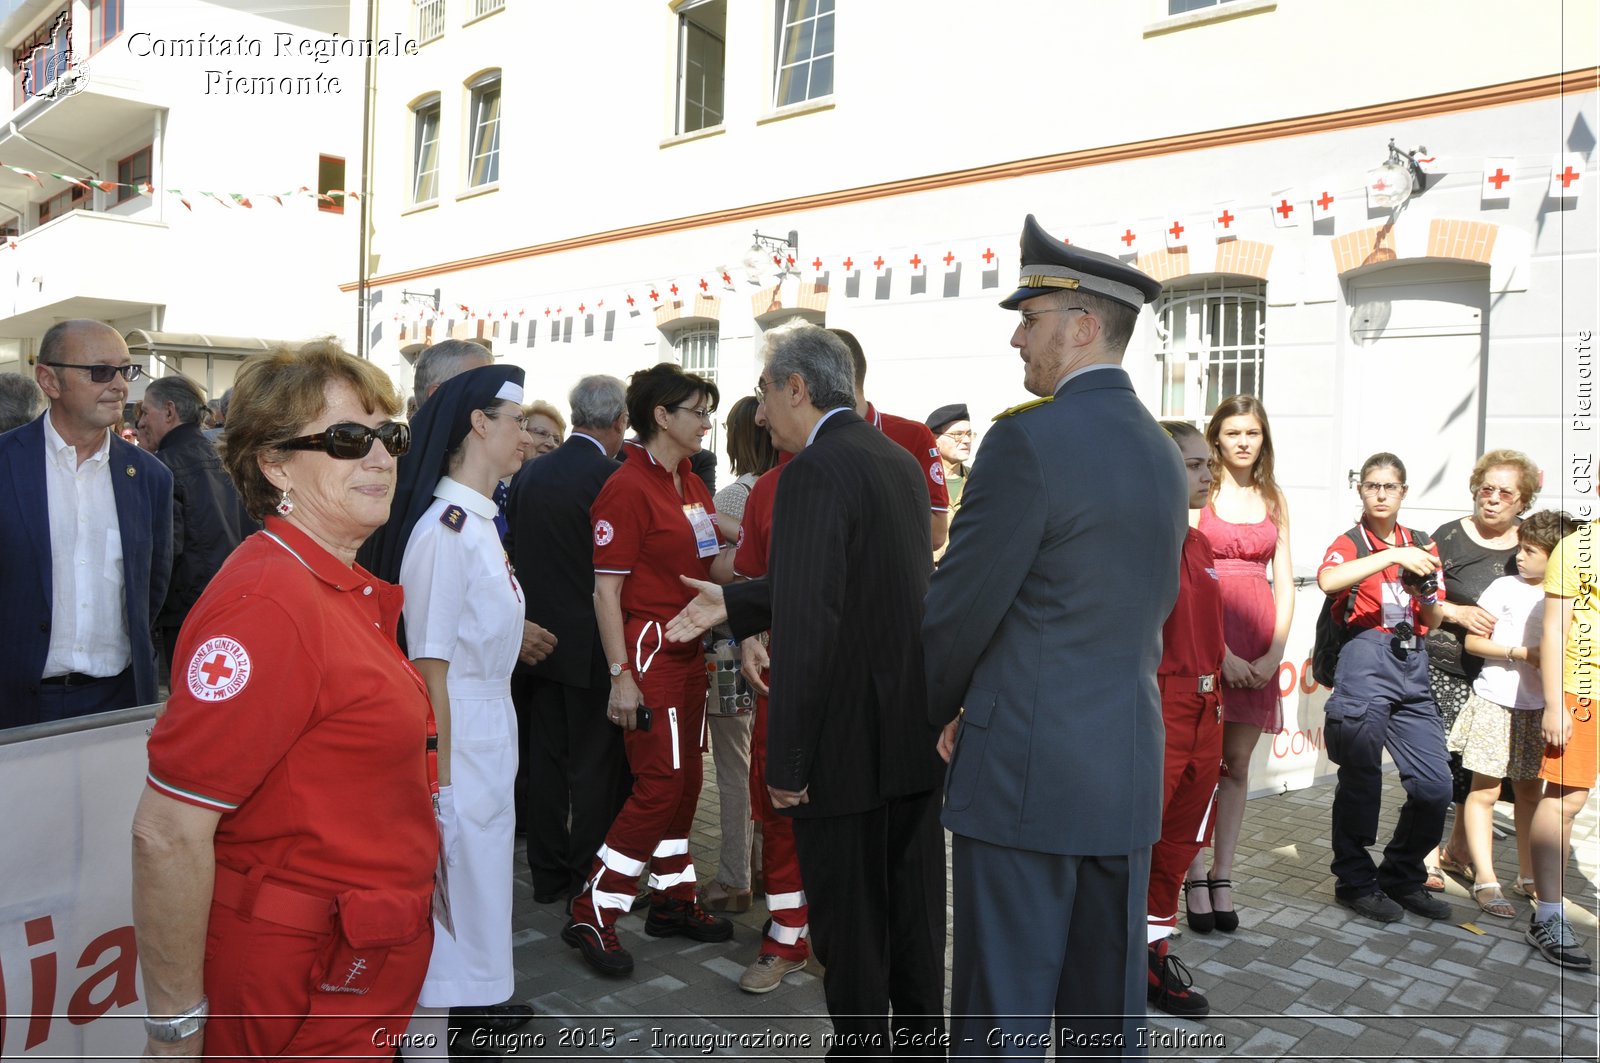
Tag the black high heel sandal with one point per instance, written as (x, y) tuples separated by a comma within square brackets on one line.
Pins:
[(1199, 922), (1227, 921)]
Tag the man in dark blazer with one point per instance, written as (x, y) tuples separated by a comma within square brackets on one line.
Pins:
[(572, 756), (1044, 621), (849, 742), (85, 540)]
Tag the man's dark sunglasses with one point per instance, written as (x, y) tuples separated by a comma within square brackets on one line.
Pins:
[(102, 374), (350, 440)]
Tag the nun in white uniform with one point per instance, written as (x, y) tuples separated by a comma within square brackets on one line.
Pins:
[(463, 629)]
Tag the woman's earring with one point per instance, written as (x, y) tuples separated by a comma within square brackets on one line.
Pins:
[(285, 504)]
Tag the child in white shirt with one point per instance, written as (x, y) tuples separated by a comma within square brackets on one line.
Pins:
[(1498, 730)]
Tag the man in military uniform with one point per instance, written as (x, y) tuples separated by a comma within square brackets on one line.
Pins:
[(1044, 622)]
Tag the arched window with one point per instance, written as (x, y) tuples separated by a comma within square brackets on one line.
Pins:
[(483, 151), (1213, 341)]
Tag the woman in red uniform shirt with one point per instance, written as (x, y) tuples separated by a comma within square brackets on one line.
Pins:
[(653, 521), (285, 847)]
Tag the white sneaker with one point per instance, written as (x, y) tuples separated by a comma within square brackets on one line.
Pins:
[(766, 973)]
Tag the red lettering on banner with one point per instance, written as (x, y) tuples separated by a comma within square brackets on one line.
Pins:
[(1285, 671), (82, 1010), (43, 970), (1296, 743), (1306, 677)]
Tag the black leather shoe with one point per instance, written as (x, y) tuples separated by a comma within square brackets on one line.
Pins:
[(599, 947), (1376, 906), (1423, 903), (669, 917), (492, 1018)]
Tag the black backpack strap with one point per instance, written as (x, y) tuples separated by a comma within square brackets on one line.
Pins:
[(1357, 536)]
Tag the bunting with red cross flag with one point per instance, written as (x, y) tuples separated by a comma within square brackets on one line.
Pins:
[(1284, 206), (1176, 234), (952, 273), (1497, 177), (919, 273), (991, 267), (1127, 241), (1225, 220), (1566, 176), (1323, 200)]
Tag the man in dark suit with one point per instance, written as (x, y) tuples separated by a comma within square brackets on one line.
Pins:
[(1044, 621), (572, 755), (849, 743), (208, 518), (85, 540)]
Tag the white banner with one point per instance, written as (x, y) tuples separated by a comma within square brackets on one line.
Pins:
[(69, 979), (1294, 758)]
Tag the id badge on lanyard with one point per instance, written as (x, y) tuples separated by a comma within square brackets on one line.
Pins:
[(706, 541), (1396, 606)]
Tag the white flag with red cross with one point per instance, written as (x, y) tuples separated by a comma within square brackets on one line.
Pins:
[(1176, 233), (1323, 200), (1127, 241), (1497, 177), (1225, 220), (1566, 176), (1285, 206)]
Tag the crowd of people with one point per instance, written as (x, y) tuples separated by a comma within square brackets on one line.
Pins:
[(393, 645)]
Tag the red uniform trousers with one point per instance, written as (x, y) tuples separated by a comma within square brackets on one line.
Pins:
[(259, 977), (653, 827), (786, 895), (1193, 762)]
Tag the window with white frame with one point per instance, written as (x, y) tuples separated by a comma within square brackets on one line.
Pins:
[(697, 353), (1213, 342), (701, 52), (803, 69), (425, 151), (430, 20), (483, 159)]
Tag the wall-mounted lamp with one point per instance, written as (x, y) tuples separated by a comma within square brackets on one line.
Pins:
[(425, 298), (1399, 179), (779, 251)]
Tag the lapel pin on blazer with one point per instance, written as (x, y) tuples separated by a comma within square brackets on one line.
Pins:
[(131, 471)]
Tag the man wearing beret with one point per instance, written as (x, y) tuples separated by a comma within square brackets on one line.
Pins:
[(952, 435), (1042, 637)]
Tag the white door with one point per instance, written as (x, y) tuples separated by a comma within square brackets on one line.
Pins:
[(1413, 380)]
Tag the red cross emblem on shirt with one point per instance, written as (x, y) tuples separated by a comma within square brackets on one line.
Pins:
[(217, 670)]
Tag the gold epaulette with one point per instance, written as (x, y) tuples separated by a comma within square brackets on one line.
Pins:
[(1024, 406)]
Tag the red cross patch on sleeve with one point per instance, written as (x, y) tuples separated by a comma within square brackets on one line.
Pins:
[(219, 669)]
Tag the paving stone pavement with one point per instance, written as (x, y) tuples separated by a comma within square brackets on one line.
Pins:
[(1301, 979)]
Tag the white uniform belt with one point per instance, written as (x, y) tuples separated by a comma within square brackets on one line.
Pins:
[(478, 688)]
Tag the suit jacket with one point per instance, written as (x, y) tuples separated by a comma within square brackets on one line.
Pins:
[(1044, 621), (142, 487), (849, 564), (208, 518), (551, 544)]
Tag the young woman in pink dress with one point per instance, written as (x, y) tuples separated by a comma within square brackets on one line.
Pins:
[(1247, 523)]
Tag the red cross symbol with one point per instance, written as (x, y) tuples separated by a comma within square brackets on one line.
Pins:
[(558, 310), (674, 288), (703, 285), (1498, 178), (725, 278), (1176, 230), (776, 261), (547, 311), (580, 308), (1127, 237), (1225, 219), (816, 264), (988, 255), (949, 257), (216, 670), (1377, 186), (630, 300), (916, 261), (655, 296), (1325, 200), (878, 262), (789, 259), (1285, 208), (848, 264), (1567, 178)]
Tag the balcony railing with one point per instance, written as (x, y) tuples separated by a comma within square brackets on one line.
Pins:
[(481, 8), (430, 20)]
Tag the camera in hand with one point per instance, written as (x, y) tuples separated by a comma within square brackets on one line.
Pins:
[(1404, 631), (1424, 587)]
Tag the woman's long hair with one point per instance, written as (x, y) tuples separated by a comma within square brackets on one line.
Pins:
[(1261, 474)]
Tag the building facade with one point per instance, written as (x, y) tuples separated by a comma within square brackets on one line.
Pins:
[(160, 170)]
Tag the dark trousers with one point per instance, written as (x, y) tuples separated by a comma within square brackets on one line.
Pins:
[(1381, 701), (58, 701), (1042, 935), (875, 882), (577, 778)]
